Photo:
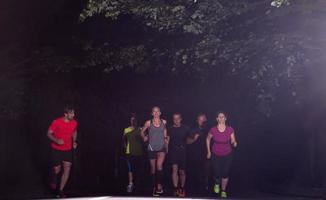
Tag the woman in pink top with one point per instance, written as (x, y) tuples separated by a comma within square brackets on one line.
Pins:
[(221, 152)]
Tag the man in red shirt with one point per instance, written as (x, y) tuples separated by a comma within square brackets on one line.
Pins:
[(63, 135)]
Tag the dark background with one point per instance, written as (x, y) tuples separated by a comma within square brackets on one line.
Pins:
[(285, 149)]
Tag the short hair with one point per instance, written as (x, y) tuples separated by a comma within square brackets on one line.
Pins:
[(133, 115), (222, 112), (177, 113), (67, 109), (201, 114)]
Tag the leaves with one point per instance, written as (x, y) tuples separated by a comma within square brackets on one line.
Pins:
[(237, 37), (279, 3)]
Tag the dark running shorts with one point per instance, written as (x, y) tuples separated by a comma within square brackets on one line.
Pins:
[(133, 162), (178, 157), (221, 165), (153, 154), (59, 156)]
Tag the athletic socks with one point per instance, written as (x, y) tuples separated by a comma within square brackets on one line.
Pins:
[(153, 179), (159, 176)]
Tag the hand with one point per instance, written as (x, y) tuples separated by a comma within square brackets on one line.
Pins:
[(59, 141), (75, 145), (209, 155), (196, 136), (166, 148), (235, 144), (145, 138)]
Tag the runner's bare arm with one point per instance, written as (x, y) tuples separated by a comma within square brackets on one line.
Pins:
[(124, 142), (192, 138), (142, 132), (54, 139), (233, 140), (74, 136), (166, 136), (208, 145), (74, 139)]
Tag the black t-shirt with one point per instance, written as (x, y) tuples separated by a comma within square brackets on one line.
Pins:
[(198, 148), (178, 136)]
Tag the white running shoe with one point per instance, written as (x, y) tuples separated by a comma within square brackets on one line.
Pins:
[(130, 188)]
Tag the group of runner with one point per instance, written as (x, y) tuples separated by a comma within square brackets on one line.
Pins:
[(204, 149)]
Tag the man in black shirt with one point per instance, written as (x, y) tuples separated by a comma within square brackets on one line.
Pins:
[(177, 153), (198, 165)]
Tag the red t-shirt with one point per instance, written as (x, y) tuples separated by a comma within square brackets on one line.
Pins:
[(63, 130)]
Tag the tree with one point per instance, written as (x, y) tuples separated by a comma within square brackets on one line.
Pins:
[(247, 38)]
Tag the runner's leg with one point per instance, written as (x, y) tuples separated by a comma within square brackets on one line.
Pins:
[(159, 166), (175, 177), (182, 174), (152, 163), (130, 165), (130, 169), (65, 174), (216, 163), (55, 170), (225, 182), (182, 169), (227, 161), (54, 176)]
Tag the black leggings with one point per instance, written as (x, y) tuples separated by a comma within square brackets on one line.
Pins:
[(221, 165)]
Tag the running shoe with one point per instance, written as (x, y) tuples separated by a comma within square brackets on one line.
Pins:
[(159, 191), (155, 194), (182, 192), (224, 194), (61, 195), (130, 188), (216, 188)]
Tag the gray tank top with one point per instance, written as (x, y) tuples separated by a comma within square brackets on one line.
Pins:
[(156, 137)]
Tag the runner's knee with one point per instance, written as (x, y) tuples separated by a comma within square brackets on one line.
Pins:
[(174, 169), (66, 166), (57, 169)]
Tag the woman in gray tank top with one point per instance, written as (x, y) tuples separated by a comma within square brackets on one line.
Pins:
[(157, 147)]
